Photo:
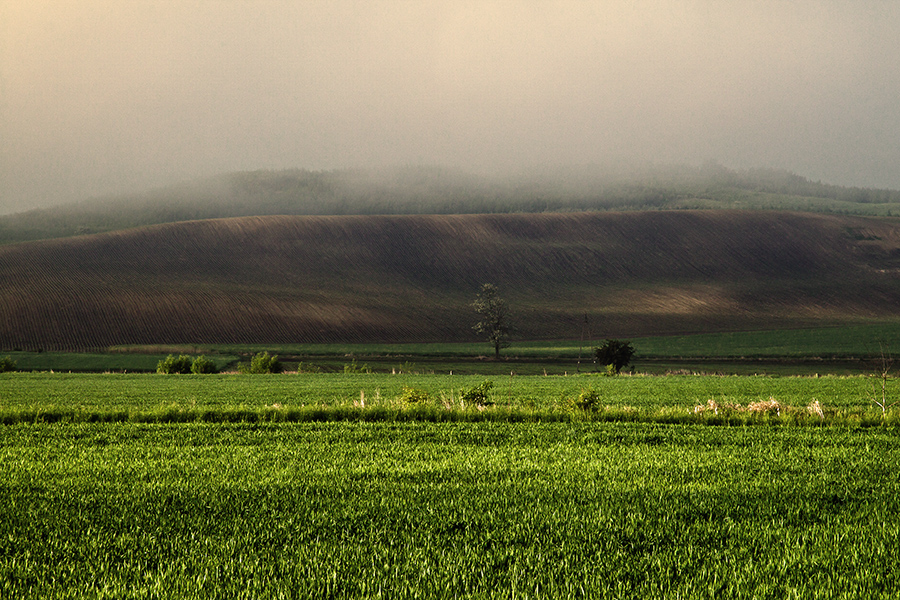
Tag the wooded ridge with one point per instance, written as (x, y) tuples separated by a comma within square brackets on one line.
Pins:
[(436, 190)]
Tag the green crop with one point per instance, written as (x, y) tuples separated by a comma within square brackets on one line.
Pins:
[(487, 510), (28, 397)]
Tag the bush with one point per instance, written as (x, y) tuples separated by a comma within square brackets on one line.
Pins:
[(588, 400), (479, 393), (172, 365), (413, 396), (7, 364), (203, 365), (263, 363), (615, 353)]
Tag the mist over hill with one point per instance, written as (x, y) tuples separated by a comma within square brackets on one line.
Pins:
[(436, 190), (280, 279)]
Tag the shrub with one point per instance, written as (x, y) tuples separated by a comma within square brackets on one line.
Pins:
[(588, 400), (479, 393), (202, 365), (174, 365), (263, 363), (413, 396), (7, 364)]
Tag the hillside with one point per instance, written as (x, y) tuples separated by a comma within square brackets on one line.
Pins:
[(411, 278), (434, 190)]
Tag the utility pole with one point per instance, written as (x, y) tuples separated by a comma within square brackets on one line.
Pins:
[(584, 327)]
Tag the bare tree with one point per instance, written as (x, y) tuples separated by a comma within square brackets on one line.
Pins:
[(883, 373)]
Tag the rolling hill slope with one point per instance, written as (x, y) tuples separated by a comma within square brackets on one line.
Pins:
[(411, 278)]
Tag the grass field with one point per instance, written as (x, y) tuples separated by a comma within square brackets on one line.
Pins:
[(843, 350), (849, 340), (151, 397), (480, 510), (333, 486)]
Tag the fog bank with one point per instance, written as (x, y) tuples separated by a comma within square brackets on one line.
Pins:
[(104, 96)]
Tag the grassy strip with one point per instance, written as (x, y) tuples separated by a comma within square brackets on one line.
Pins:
[(103, 393), (97, 362), (700, 415), (848, 340), (856, 341)]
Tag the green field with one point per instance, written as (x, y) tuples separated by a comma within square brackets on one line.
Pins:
[(845, 350), (480, 510), (334, 486), (152, 397), (854, 340)]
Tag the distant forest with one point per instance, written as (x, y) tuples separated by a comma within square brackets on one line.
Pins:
[(436, 190)]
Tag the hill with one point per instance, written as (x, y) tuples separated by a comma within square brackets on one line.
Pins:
[(411, 278), (434, 190)]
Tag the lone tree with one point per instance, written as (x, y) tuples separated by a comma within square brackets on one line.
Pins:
[(494, 321), (615, 354)]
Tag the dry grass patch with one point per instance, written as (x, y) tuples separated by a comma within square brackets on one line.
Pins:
[(770, 407), (765, 407)]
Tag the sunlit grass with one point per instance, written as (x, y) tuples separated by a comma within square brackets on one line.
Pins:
[(56, 397), (355, 509)]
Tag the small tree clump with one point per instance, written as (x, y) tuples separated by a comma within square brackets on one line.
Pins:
[(614, 353), (203, 365), (7, 364), (173, 365), (479, 393), (263, 363)]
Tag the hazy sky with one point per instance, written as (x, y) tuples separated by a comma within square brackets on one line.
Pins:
[(100, 96)]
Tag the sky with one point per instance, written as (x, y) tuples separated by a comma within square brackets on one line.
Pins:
[(114, 96)]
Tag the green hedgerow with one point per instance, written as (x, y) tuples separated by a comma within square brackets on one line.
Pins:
[(203, 365), (175, 365)]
